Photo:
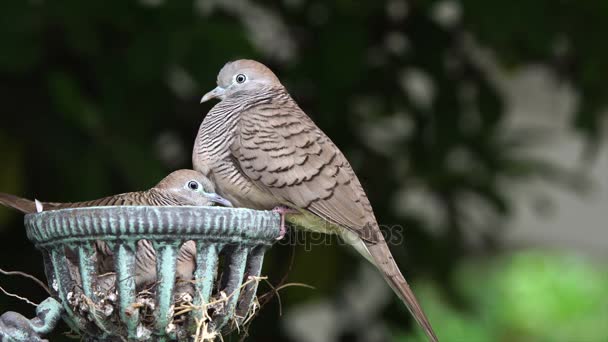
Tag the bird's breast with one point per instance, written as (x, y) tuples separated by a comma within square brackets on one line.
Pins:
[(212, 156), (232, 184)]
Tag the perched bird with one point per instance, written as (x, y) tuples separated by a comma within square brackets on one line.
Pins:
[(263, 152), (182, 187)]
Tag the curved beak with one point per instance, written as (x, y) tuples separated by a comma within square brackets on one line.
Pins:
[(217, 199), (217, 93)]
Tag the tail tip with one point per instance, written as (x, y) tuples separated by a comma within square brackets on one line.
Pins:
[(39, 207)]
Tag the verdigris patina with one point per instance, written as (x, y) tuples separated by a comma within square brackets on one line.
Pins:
[(16, 328), (234, 239)]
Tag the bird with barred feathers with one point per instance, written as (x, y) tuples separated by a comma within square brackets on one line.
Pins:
[(180, 188), (263, 152)]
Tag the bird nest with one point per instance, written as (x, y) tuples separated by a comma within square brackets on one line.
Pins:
[(181, 327), (230, 245)]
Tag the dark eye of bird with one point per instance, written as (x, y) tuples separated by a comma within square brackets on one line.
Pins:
[(193, 185), (240, 78)]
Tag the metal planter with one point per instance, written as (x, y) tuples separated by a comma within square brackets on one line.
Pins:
[(230, 246)]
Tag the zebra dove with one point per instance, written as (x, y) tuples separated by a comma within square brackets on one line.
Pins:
[(263, 152), (182, 187)]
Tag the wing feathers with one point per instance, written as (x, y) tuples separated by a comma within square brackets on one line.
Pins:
[(282, 151)]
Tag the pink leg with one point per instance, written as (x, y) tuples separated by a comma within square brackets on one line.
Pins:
[(282, 210)]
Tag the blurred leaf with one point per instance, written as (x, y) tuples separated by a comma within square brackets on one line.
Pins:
[(525, 296), (69, 101)]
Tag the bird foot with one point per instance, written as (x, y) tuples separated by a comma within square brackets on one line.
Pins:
[(283, 210)]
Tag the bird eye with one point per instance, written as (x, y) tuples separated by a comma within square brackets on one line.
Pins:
[(193, 185), (240, 78)]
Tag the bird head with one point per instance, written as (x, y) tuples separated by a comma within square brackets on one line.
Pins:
[(242, 75), (192, 188)]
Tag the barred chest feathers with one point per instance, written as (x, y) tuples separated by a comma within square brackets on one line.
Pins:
[(213, 158)]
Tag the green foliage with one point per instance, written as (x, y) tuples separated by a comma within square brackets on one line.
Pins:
[(526, 296), (564, 34)]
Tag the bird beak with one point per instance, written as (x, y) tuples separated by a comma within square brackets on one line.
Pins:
[(217, 199), (217, 93)]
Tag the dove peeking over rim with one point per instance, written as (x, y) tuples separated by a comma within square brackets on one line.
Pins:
[(263, 152), (182, 187)]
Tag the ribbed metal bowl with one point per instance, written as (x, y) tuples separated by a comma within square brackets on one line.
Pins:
[(235, 239)]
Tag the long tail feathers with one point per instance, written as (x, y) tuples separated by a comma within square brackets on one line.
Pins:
[(386, 264), (23, 205)]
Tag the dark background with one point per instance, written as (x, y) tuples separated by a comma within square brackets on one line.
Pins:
[(102, 97)]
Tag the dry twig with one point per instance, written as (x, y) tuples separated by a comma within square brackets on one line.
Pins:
[(29, 276), (18, 297)]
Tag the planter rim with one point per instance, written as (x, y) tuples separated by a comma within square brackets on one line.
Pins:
[(132, 223)]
